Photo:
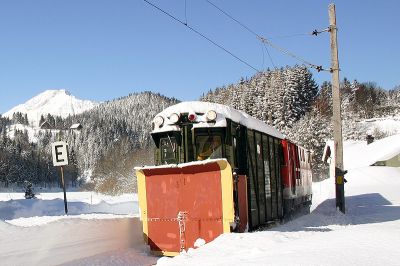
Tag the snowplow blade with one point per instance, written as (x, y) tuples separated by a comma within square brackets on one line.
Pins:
[(180, 204)]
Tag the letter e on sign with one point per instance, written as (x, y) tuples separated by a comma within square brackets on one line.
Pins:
[(59, 150)]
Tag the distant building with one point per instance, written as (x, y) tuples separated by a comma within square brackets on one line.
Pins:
[(391, 160), (45, 125), (328, 157), (76, 126), (382, 152)]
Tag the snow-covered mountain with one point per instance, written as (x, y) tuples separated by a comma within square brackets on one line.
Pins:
[(54, 102)]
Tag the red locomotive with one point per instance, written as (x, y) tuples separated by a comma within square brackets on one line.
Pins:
[(218, 170)]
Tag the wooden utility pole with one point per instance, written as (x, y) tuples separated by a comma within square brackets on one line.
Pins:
[(336, 119)]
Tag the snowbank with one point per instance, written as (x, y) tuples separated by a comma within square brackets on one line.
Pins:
[(72, 240), (49, 207)]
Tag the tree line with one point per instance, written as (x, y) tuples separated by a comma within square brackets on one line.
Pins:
[(115, 135)]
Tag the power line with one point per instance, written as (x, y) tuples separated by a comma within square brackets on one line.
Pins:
[(287, 52), (229, 16), (244, 26), (290, 35), (202, 35), (263, 56), (269, 55), (266, 41)]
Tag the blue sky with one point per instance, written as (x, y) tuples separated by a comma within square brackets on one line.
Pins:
[(102, 49)]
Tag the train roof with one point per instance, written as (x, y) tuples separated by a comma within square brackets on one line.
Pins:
[(222, 111)]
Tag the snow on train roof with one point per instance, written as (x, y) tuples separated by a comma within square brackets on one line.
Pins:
[(222, 111)]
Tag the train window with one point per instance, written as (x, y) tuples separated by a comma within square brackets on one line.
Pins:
[(168, 149), (261, 179), (208, 147), (267, 177), (272, 157), (251, 159), (278, 177)]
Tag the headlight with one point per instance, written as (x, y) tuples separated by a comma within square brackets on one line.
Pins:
[(192, 117), (174, 118), (159, 121), (211, 115)]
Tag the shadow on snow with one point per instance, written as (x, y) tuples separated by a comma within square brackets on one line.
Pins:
[(360, 209)]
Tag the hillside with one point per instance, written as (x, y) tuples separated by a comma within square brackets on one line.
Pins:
[(114, 138), (288, 99), (115, 134)]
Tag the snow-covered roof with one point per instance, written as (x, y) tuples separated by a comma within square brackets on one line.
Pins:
[(181, 165), (359, 154), (223, 112), (45, 124), (76, 126)]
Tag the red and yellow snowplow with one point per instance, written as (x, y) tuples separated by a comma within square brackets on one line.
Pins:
[(182, 203)]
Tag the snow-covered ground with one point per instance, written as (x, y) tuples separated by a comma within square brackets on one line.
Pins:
[(388, 125), (368, 234), (37, 231), (49, 207), (105, 230)]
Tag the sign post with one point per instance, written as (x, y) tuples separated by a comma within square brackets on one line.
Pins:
[(59, 150)]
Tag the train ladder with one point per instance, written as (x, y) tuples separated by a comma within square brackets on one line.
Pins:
[(182, 218)]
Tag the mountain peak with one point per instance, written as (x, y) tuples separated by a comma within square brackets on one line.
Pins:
[(53, 92), (55, 101)]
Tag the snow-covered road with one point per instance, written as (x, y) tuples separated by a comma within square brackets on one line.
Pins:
[(99, 229), (71, 240)]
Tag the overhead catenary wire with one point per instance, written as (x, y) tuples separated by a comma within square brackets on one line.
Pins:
[(270, 57), (290, 35), (263, 56), (287, 52), (266, 41), (200, 34), (244, 26)]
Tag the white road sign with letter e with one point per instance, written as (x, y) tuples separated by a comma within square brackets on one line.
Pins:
[(59, 150)]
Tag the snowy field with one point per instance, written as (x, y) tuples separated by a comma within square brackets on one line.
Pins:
[(104, 230), (37, 231)]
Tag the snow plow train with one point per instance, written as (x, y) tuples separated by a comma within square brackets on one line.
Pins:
[(218, 170)]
